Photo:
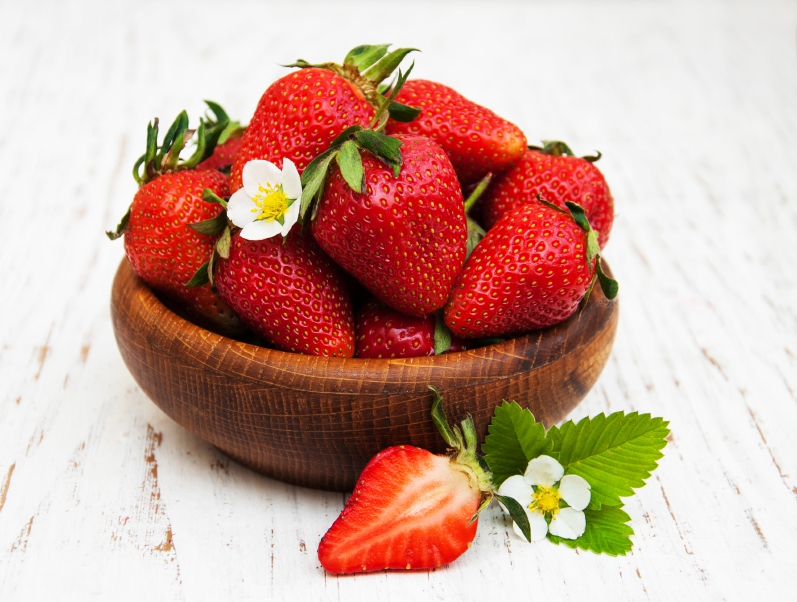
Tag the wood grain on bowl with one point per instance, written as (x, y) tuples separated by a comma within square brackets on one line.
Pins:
[(316, 421)]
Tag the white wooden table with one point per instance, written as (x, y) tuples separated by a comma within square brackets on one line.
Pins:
[(695, 109)]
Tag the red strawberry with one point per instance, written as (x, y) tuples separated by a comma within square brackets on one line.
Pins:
[(229, 141), (224, 154), (384, 332), (403, 237), (410, 508), (555, 174), (300, 114), (289, 292), (477, 140), (531, 270), (160, 242)]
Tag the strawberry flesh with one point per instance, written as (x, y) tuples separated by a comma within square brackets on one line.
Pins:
[(410, 509)]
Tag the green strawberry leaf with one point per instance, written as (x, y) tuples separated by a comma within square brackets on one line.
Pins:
[(514, 439), (344, 136), (385, 148), (452, 439), (578, 213), (313, 179), (517, 513), (121, 227), (218, 111), (607, 532), (387, 65), (475, 235), (364, 56), (610, 286), (212, 226), (557, 148), (478, 192), (200, 277), (403, 113), (380, 117), (211, 197), (207, 138), (614, 453), (223, 244), (442, 334), (351, 165), (593, 158), (178, 126)]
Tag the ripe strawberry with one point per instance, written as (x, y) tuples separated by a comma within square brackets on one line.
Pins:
[(558, 176), (531, 270), (229, 141), (477, 140), (289, 292), (160, 241), (300, 114), (382, 332), (411, 509), (403, 237)]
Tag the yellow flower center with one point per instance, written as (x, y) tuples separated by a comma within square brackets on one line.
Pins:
[(272, 204), (545, 500)]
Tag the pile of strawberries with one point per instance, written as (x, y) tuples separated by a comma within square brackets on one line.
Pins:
[(425, 222)]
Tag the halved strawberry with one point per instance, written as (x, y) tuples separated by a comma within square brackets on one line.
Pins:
[(411, 509)]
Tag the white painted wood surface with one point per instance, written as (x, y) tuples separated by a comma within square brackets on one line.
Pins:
[(694, 106)]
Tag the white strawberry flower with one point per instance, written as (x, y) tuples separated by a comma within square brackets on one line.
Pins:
[(541, 491), (268, 204)]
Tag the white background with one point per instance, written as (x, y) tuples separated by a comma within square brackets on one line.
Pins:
[(694, 106)]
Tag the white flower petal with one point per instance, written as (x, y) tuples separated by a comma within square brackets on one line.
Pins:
[(539, 528), (261, 229), (543, 470), (575, 491), (291, 216), (259, 173), (239, 208), (568, 523), (516, 487), (290, 180)]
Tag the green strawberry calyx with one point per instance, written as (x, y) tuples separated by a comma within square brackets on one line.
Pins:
[(475, 231), (557, 148), (165, 158), (366, 67), (217, 226), (345, 151), (609, 285), (232, 129), (462, 443)]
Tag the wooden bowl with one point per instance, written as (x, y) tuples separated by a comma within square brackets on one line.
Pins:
[(316, 421)]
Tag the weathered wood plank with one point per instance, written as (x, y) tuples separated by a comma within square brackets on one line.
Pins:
[(101, 495)]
